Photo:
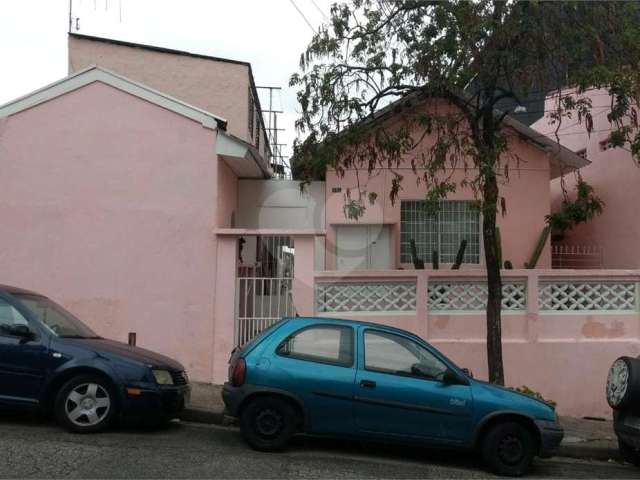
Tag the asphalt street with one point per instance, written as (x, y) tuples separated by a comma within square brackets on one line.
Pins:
[(32, 448)]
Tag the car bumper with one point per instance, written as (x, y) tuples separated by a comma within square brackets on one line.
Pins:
[(627, 427), (159, 404), (232, 398), (551, 434)]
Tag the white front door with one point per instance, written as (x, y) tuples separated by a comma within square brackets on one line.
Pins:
[(363, 247)]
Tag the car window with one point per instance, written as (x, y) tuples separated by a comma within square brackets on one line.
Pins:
[(55, 318), (10, 318), (390, 353), (325, 343)]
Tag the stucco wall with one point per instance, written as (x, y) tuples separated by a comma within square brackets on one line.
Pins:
[(226, 196), (221, 88), (616, 180), (106, 206), (526, 193), (565, 355), (280, 204)]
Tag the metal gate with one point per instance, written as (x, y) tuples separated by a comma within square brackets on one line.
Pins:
[(264, 286)]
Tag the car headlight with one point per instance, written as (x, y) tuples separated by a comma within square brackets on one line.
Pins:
[(163, 377)]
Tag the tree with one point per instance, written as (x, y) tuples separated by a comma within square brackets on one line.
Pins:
[(376, 57)]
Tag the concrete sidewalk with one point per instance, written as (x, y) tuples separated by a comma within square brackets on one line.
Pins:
[(583, 439)]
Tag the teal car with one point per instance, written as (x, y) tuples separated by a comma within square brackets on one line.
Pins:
[(353, 379)]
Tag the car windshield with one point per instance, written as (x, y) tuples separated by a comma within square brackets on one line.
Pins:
[(59, 322)]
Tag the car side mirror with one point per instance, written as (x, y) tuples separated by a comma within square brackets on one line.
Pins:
[(453, 378)]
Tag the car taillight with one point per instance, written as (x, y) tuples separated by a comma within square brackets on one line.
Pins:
[(238, 372)]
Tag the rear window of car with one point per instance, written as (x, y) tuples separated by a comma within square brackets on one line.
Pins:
[(247, 347), (323, 343)]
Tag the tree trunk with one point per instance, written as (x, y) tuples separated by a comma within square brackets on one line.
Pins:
[(494, 281)]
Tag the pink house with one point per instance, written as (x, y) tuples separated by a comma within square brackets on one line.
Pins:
[(109, 204), (139, 193), (613, 236)]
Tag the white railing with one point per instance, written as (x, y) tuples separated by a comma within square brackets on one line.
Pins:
[(261, 302), (576, 256), (450, 293), (366, 297), (591, 296), (471, 296)]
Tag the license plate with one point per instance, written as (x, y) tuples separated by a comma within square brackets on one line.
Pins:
[(633, 422)]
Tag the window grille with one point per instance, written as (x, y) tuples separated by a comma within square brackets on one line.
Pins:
[(444, 231), (258, 135)]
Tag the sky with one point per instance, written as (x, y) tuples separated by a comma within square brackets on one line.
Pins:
[(270, 34)]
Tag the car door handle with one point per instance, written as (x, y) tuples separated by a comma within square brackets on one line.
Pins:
[(367, 384)]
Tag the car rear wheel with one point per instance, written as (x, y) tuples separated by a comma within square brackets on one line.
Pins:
[(508, 449), (85, 404), (267, 423)]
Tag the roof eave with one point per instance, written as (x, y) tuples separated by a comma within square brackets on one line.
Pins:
[(242, 157), (98, 74)]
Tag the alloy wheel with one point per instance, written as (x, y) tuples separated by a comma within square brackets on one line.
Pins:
[(87, 404)]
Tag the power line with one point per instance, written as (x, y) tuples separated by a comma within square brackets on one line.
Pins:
[(319, 9), (303, 16)]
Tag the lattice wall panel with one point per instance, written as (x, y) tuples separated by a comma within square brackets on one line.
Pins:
[(563, 296), (472, 296), (366, 297)]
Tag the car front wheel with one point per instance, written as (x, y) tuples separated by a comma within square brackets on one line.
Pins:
[(85, 404), (508, 449), (267, 423)]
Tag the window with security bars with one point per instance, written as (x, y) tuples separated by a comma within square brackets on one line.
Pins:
[(455, 221)]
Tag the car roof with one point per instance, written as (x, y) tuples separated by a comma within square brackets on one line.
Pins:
[(17, 290), (353, 323)]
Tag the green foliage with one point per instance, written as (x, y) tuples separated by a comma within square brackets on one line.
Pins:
[(460, 255), (542, 241), (533, 393), (583, 208), (435, 260), (353, 209), (420, 84)]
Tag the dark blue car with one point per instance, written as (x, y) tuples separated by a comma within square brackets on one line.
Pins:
[(50, 360), (353, 379)]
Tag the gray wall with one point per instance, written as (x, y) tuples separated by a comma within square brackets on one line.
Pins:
[(280, 204)]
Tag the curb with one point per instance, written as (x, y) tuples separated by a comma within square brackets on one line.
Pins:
[(198, 415), (588, 452), (579, 451)]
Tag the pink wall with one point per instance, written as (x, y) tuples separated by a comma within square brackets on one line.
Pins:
[(526, 193), (219, 87), (563, 355), (615, 178), (226, 195), (106, 206)]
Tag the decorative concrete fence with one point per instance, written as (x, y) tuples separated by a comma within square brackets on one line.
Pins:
[(561, 328)]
